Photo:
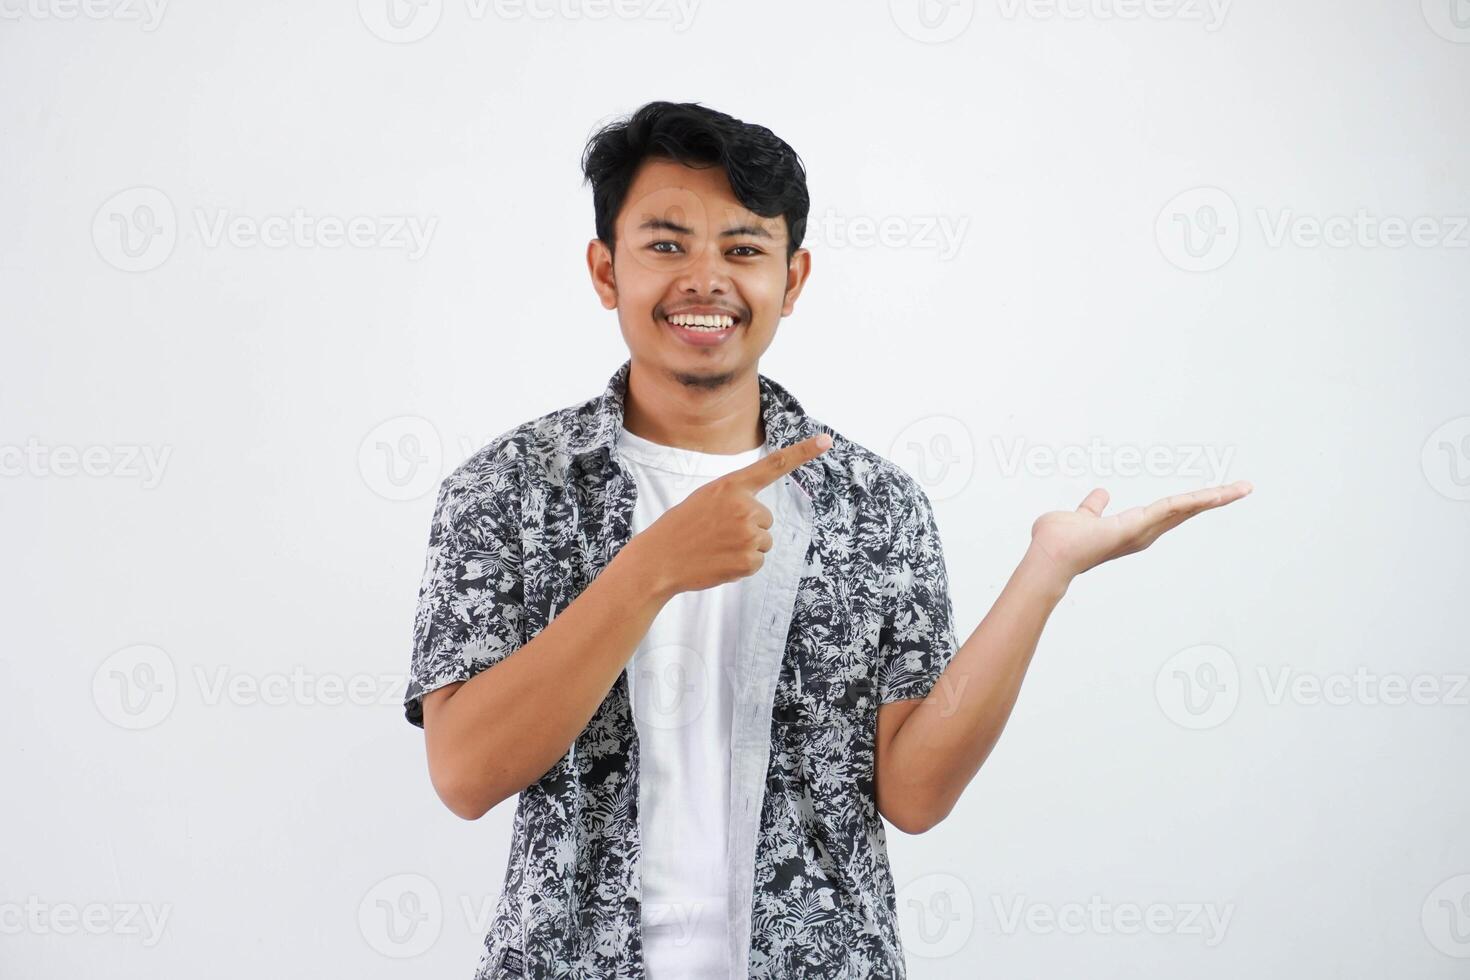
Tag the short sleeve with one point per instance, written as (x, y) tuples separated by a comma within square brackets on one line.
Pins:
[(917, 639), (471, 600)]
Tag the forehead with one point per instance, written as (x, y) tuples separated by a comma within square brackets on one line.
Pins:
[(691, 196)]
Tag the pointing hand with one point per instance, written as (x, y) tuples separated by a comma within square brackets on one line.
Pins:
[(720, 532)]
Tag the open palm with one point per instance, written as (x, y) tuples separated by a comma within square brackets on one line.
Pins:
[(1076, 540)]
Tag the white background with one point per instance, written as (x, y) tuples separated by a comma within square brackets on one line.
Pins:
[(278, 537)]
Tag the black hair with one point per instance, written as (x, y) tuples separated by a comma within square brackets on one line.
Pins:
[(764, 172)]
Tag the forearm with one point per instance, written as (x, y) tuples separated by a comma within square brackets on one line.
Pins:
[(945, 740), (505, 727)]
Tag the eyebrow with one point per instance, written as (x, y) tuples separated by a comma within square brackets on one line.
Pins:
[(663, 224)]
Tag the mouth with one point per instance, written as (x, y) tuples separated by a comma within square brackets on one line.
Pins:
[(702, 329)]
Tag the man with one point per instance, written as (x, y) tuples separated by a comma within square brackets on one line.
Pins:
[(692, 530)]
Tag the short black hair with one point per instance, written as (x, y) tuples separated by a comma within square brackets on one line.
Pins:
[(764, 172)]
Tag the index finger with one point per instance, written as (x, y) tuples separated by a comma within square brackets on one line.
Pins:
[(768, 469), (1177, 508)]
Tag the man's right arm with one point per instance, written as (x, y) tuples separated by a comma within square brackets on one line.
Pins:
[(490, 737)]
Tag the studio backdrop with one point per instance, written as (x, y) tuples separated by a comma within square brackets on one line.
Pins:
[(270, 271)]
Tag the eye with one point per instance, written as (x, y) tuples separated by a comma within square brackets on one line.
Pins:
[(655, 246), (749, 248)]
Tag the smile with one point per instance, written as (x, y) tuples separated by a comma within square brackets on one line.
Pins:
[(702, 330)]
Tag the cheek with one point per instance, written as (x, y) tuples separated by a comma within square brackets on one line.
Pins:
[(638, 297), (765, 294), (638, 281)]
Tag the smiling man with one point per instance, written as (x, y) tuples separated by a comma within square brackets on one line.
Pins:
[(706, 638)]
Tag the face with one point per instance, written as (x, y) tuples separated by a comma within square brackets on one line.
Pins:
[(684, 247)]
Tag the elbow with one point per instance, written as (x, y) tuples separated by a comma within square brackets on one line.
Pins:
[(463, 808), (457, 801), (912, 826), (914, 820), (468, 802), (918, 813), (469, 806)]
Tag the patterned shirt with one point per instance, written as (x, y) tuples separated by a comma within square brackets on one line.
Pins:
[(852, 611)]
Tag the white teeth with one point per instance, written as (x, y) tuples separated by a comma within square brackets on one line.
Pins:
[(707, 323)]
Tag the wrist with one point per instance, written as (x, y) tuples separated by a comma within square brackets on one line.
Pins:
[(1042, 572), (646, 575)]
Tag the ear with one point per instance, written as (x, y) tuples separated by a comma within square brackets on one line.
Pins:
[(797, 271), (600, 267)]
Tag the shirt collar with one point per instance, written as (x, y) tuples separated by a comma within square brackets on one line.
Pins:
[(786, 423)]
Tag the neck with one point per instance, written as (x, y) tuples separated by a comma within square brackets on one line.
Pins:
[(707, 414)]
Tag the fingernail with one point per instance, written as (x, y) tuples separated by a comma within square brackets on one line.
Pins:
[(824, 440)]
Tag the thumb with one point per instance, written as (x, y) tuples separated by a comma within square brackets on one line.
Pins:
[(1094, 502)]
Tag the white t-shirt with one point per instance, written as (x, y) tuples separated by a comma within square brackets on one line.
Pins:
[(680, 681)]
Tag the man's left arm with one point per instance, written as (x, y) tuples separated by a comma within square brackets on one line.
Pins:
[(928, 749)]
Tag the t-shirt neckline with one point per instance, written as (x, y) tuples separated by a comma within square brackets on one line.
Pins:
[(674, 459)]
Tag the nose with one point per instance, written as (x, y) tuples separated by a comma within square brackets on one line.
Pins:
[(706, 273)]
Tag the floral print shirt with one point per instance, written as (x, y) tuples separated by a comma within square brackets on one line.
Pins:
[(852, 610)]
